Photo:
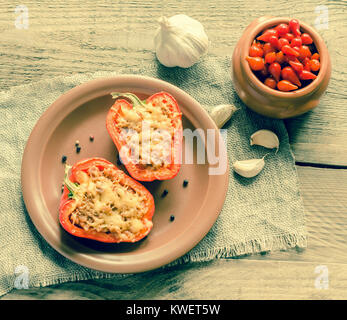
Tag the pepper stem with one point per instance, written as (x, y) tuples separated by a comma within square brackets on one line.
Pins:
[(72, 187), (133, 98)]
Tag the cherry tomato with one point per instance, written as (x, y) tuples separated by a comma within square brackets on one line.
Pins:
[(297, 66), (306, 63), (315, 56), (306, 60), (282, 29), (285, 85), (304, 51), (272, 32), (274, 41), (291, 58), (270, 57), (294, 26), (257, 44), (255, 63), (268, 48), (264, 72), (307, 67), (307, 75), (270, 82), (306, 38), (275, 70), (268, 33), (296, 42), (280, 58), (289, 36), (314, 65), (256, 51), (290, 51), (282, 42), (289, 74)]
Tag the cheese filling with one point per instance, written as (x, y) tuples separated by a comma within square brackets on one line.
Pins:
[(106, 205), (148, 133)]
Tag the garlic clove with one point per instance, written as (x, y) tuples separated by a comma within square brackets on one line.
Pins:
[(249, 168), (265, 138), (180, 41), (222, 113)]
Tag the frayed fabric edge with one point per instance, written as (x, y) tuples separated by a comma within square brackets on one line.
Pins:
[(64, 278), (254, 246)]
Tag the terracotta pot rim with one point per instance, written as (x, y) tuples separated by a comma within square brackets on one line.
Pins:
[(267, 22)]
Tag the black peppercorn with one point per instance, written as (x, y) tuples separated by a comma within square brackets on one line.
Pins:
[(185, 183), (63, 159), (172, 217)]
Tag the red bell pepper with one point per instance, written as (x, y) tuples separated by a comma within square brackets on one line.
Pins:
[(69, 201), (140, 171)]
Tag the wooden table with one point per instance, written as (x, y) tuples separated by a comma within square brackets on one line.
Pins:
[(66, 37)]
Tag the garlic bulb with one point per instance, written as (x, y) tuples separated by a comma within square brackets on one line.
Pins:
[(180, 41), (265, 138), (222, 113), (249, 168)]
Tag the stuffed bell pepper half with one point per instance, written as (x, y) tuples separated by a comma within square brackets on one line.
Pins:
[(102, 203), (148, 134)]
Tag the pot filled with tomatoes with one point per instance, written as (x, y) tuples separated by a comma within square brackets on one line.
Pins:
[(280, 67)]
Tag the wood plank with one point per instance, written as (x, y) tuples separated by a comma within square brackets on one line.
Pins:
[(319, 137), (69, 37), (289, 274), (324, 192), (219, 280)]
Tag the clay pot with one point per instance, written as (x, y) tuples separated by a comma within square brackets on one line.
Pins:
[(269, 102)]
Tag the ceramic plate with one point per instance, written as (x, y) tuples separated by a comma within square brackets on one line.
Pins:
[(81, 112)]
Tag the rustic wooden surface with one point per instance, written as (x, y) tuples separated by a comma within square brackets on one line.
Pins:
[(69, 37)]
